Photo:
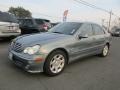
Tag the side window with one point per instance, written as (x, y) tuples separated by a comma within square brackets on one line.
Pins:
[(86, 29), (98, 30)]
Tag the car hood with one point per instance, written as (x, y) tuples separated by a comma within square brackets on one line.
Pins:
[(41, 38)]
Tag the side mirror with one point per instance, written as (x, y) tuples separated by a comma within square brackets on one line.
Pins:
[(82, 36)]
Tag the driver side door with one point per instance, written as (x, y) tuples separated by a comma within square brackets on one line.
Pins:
[(83, 46)]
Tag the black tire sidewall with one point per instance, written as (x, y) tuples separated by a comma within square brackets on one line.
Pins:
[(102, 54), (47, 62)]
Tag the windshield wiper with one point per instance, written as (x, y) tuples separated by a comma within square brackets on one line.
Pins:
[(58, 32)]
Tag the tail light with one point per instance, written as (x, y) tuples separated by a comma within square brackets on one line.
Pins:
[(45, 27)]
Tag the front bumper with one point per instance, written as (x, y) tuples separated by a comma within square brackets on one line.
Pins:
[(27, 63)]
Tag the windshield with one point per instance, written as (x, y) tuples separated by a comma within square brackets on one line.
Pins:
[(68, 28), (6, 17)]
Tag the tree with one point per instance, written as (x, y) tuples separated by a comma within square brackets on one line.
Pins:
[(20, 12)]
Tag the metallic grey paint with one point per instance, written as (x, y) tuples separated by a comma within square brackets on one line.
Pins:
[(71, 44)]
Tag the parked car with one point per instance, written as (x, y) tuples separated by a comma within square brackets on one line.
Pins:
[(116, 32), (33, 25), (50, 52), (8, 25)]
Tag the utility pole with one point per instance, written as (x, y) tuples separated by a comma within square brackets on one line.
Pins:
[(103, 20), (119, 22), (109, 23)]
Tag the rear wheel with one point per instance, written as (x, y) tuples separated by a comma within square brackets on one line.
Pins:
[(55, 63), (105, 51)]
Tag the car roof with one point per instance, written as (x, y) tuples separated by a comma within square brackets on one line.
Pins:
[(32, 18)]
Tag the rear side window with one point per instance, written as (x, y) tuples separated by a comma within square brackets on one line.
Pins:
[(86, 29), (47, 21), (6, 17), (26, 22), (39, 21), (98, 30)]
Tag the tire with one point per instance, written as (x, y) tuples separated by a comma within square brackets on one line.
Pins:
[(105, 51), (119, 35), (55, 63)]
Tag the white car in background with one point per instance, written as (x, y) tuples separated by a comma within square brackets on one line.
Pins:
[(8, 25)]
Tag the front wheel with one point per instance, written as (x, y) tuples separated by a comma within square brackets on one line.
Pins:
[(55, 63)]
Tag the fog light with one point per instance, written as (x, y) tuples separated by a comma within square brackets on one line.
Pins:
[(31, 61), (27, 67)]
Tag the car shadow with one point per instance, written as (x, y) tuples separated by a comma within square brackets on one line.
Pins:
[(83, 59), (5, 40)]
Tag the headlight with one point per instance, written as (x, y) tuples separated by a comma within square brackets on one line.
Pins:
[(32, 50)]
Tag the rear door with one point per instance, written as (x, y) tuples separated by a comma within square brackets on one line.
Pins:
[(99, 37)]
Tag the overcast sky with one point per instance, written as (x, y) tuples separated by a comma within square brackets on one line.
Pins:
[(55, 8)]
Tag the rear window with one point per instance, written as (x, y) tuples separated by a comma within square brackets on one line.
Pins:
[(47, 21), (6, 17), (42, 21)]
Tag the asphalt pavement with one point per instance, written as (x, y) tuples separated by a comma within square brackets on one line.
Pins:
[(90, 73)]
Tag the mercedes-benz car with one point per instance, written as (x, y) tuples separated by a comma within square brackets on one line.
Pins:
[(50, 52)]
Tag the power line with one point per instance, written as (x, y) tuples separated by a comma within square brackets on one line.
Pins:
[(94, 6), (91, 5)]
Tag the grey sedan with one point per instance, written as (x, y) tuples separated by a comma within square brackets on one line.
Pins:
[(50, 52)]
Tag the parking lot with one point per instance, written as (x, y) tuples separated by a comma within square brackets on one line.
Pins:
[(91, 73)]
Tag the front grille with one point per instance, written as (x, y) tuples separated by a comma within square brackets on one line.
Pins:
[(17, 47)]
